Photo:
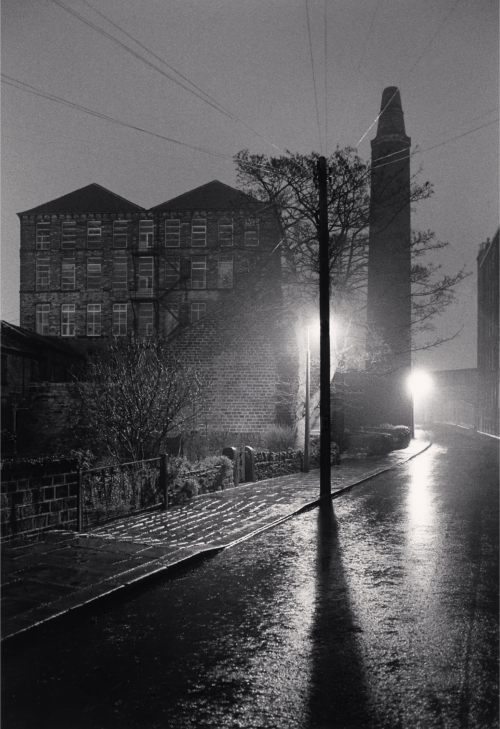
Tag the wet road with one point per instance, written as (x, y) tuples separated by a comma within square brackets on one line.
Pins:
[(378, 610)]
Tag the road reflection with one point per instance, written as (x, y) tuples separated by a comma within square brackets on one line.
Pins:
[(422, 534)]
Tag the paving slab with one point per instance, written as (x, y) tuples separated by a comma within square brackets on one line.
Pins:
[(53, 573)]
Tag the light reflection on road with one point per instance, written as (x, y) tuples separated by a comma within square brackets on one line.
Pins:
[(422, 531)]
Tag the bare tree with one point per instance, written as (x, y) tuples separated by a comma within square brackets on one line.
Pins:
[(288, 184), (135, 394)]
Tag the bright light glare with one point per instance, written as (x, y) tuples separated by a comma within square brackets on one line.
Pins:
[(313, 332), (419, 383)]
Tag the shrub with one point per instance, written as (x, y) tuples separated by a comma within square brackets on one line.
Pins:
[(186, 480), (403, 435), (400, 433), (280, 437), (371, 444)]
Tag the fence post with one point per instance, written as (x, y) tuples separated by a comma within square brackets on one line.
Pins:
[(79, 499), (163, 480)]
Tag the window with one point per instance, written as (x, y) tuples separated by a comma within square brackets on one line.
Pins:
[(94, 273), (119, 234), (68, 320), (42, 274), (172, 271), (225, 232), (251, 232), (199, 232), (93, 320), (119, 320), (120, 273), (172, 233), (171, 318), (68, 274), (146, 230), (42, 319), (225, 272), (42, 236), (146, 276), (68, 234), (198, 272), (197, 312), (94, 231), (146, 320)]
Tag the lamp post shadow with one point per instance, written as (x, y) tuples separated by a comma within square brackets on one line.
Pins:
[(338, 696)]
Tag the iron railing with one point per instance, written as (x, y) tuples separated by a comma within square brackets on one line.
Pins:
[(112, 492)]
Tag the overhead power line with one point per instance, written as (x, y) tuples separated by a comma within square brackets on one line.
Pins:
[(158, 58), (103, 32), (28, 88), (22, 86), (426, 48), (452, 139), (362, 54), (196, 91), (431, 41)]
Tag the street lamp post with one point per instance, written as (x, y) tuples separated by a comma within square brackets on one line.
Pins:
[(307, 436)]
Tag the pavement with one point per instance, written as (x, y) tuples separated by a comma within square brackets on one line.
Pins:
[(53, 574)]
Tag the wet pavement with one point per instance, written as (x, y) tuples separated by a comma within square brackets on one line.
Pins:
[(47, 576), (377, 610)]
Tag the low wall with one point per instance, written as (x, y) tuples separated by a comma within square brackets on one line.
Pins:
[(37, 496)]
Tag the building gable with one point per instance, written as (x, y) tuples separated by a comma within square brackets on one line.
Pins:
[(214, 195), (89, 199)]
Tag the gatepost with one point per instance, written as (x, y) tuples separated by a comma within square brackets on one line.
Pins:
[(234, 454), (250, 464)]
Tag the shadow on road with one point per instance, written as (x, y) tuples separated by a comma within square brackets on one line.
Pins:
[(338, 697)]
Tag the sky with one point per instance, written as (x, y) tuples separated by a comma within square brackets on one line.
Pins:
[(299, 75)]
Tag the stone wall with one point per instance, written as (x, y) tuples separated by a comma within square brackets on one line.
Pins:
[(50, 424), (36, 496)]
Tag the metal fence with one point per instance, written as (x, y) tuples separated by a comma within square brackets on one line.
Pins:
[(108, 493)]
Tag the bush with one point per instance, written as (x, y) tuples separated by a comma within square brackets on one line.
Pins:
[(403, 436), (371, 444), (186, 480), (280, 438), (400, 433)]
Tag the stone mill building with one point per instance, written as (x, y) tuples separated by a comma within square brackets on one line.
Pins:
[(202, 269)]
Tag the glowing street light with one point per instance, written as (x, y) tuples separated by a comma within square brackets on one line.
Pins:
[(419, 384)]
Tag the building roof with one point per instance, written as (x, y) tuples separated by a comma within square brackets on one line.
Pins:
[(89, 199), (214, 195), (23, 341)]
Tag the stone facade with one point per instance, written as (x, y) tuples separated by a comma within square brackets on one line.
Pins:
[(29, 359), (487, 336), (202, 269), (36, 496)]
